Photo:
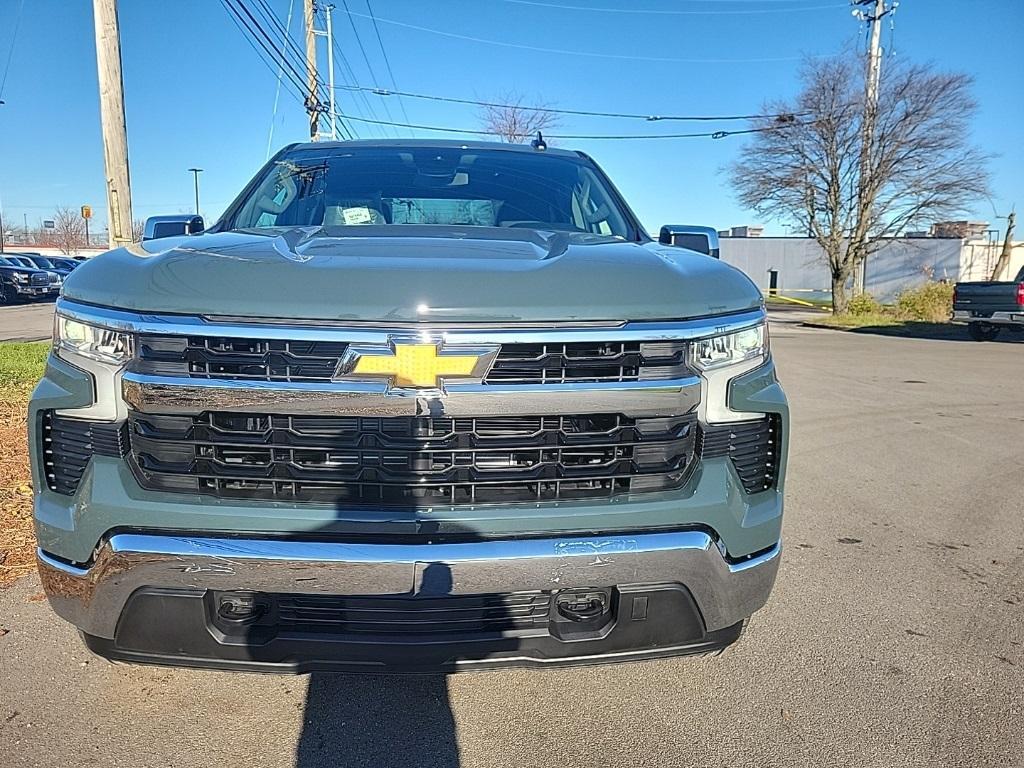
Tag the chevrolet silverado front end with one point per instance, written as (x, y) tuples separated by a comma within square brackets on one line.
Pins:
[(409, 406)]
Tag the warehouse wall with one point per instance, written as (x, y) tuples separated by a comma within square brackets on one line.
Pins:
[(803, 270)]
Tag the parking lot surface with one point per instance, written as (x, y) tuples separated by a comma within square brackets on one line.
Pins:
[(26, 322), (893, 638)]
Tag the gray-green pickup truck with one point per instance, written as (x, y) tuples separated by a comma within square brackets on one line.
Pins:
[(410, 406)]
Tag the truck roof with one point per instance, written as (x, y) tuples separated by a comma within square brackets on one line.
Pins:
[(428, 143)]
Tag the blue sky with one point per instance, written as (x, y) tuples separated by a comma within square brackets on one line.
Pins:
[(197, 95)]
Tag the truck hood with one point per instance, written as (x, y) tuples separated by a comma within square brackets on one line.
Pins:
[(424, 274)]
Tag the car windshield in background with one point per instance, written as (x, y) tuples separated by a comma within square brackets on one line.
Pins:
[(446, 186), (41, 261)]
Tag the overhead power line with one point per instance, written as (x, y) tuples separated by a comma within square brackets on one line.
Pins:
[(387, 62), (267, 56), (676, 12), (14, 41), (567, 52), (558, 111), (348, 73), (781, 123), (267, 50)]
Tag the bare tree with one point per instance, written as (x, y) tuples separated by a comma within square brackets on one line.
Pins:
[(68, 230), (515, 123), (805, 168), (138, 226)]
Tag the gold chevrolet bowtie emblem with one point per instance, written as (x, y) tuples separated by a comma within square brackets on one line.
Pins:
[(418, 366)]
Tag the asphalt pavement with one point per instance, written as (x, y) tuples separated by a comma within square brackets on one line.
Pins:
[(26, 322), (893, 638)]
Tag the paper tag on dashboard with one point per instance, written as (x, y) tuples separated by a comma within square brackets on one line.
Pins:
[(356, 215)]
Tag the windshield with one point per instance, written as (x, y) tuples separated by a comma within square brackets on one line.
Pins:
[(41, 261), (432, 185)]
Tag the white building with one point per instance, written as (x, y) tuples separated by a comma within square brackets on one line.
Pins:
[(801, 268)]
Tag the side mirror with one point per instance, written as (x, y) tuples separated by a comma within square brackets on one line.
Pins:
[(701, 239), (172, 226)]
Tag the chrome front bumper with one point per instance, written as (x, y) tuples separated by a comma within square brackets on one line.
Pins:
[(93, 598)]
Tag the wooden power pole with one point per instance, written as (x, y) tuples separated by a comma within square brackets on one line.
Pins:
[(871, 80), (312, 99), (1004, 256), (115, 138)]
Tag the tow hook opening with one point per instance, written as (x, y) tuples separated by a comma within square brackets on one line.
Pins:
[(582, 614), (240, 607)]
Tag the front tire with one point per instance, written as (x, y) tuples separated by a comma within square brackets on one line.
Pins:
[(8, 295), (982, 331)]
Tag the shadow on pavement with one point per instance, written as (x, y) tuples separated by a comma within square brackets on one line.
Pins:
[(935, 331), (377, 720), (385, 719)]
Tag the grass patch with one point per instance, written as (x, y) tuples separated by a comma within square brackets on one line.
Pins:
[(21, 365), (869, 320)]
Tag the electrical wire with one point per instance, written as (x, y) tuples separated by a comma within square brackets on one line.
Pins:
[(299, 59), (277, 89), (567, 52), (387, 62), (14, 41), (298, 55), (362, 50), (663, 12), (783, 123), (346, 67), (268, 57), (263, 33), (557, 111)]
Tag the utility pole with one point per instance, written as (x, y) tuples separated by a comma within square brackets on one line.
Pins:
[(312, 98), (115, 138), (195, 174), (314, 106), (1004, 256), (330, 73), (871, 80)]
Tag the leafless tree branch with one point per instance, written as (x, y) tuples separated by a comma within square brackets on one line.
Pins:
[(68, 230), (513, 122), (807, 171)]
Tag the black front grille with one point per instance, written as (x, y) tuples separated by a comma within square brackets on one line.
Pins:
[(411, 462), (587, 362), (68, 444), (39, 278), (410, 616), (753, 447), (205, 357), (253, 359)]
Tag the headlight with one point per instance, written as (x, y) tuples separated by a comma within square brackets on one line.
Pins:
[(730, 348), (73, 338), (20, 277)]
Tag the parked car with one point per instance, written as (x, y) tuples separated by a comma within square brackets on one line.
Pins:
[(60, 266), (19, 283), (988, 307), (68, 264), (410, 405)]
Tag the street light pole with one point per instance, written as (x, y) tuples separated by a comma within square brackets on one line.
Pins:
[(195, 174)]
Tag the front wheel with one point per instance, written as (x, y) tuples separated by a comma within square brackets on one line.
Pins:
[(8, 295), (982, 331)]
